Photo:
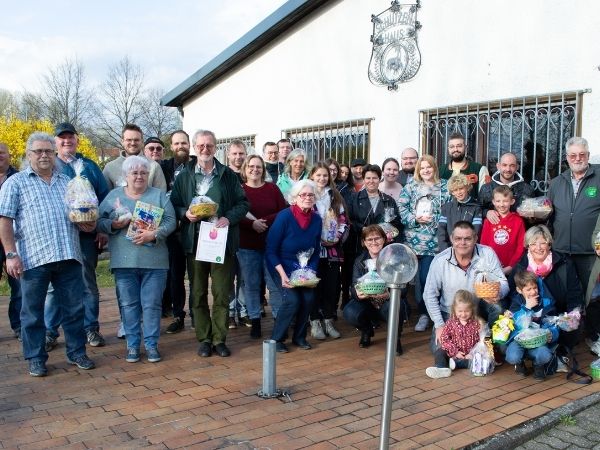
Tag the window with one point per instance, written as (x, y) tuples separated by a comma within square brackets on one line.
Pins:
[(223, 145), (342, 141), (534, 128)]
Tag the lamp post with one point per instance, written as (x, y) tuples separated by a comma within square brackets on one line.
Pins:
[(396, 265)]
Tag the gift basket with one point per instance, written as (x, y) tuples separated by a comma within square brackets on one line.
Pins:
[(568, 321), (390, 230), (537, 208), (481, 361), (370, 283), (502, 328), (121, 213), (80, 197), (202, 205), (487, 285), (532, 337), (595, 369), (304, 276)]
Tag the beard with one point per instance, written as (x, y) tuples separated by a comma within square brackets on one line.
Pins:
[(458, 158)]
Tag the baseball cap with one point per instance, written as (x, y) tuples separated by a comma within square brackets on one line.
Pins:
[(153, 140), (64, 127), (358, 162)]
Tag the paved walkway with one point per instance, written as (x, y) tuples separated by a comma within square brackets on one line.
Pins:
[(187, 401)]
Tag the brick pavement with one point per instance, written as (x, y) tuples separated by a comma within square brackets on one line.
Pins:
[(187, 401)]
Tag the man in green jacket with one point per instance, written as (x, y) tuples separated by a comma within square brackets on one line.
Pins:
[(226, 191)]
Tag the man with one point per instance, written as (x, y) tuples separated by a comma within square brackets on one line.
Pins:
[(453, 269), (507, 174), (92, 243), (14, 304), (477, 174), (180, 146), (46, 251), (227, 192), (285, 147), (131, 140), (236, 155), (575, 195), (356, 167), (271, 157), (408, 161), (154, 149)]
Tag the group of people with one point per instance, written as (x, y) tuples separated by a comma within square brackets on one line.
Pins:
[(306, 234)]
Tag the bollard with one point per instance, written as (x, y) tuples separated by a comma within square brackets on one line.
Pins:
[(269, 368)]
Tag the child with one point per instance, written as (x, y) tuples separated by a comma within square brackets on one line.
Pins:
[(459, 336), (508, 235), (461, 207), (529, 302)]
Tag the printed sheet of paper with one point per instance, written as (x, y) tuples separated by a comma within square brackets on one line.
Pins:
[(212, 242)]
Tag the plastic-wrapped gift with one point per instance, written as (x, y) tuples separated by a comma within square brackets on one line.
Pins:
[(304, 276), (481, 361), (121, 213), (370, 283), (80, 197), (537, 208), (595, 369), (486, 285), (568, 321), (390, 230), (329, 232), (202, 205), (502, 328)]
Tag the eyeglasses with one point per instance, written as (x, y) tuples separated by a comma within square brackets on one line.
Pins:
[(39, 151), (409, 158), (273, 153), (207, 147), (306, 195), (452, 147), (154, 149), (577, 155), (254, 167), (129, 141), (141, 173), (539, 244), (374, 240)]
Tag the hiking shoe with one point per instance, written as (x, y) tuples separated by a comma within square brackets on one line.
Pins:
[(95, 339), (330, 329), (176, 326), (520, 369), (152, 355), (133, 355), (232, 324), (37, 368), (422, 323), (539, 372), (365, 340), (438, 372), (245, 322), (316, 330), (121, 331), (82, 361), (50, 343)]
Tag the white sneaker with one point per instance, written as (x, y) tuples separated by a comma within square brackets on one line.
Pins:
[(594, 346), (422, 323), (438, 372), (121, 331), (561, 366), (316, 330), (452, 363)]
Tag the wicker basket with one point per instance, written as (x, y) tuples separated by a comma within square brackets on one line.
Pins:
[(305, 283), (371, 288), (204, 209), (77, 215), (487, 289), (532, 342)]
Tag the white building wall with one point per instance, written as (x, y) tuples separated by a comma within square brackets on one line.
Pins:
[(472, 51)]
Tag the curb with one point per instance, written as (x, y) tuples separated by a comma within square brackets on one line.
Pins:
[(520, 434)]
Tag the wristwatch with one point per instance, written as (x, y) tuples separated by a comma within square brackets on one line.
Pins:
[(11, 255)]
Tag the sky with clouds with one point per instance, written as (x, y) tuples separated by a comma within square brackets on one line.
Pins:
[(169, 39)]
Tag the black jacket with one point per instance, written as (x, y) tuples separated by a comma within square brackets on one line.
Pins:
[(168, 167), (454, 211), (519, 188)]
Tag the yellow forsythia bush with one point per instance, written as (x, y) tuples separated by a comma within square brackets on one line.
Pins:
[(14, 133)]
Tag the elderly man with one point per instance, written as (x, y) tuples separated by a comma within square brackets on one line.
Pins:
[(575, 194), (271, 157), (477, 174), (66, 140), (154, 149), (507, 174), (453, 269), (42, 247), (408, 161), (226, 191), (131, 141), (285, 147)]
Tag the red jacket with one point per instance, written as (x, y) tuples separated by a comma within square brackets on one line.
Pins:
[(507, 238), (457, 337)]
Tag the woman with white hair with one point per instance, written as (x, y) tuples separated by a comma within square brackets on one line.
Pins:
[(140, 261), (294, 171), (296, 229)]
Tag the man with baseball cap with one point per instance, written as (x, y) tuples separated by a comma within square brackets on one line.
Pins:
[(356, 166), (154, 149)]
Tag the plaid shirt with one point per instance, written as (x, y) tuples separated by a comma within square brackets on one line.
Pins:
[(43, 232)]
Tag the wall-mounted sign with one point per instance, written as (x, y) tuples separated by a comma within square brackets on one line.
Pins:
[(396, 57)]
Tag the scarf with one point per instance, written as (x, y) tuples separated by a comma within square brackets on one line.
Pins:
[(303, 218), (541, 270)]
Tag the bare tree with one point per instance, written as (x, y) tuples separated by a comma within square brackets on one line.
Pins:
[(158, 120), (8, 104)]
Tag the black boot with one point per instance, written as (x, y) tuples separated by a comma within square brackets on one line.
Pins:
[(399, 350), (365, 339), (520, 369), (539, 372), (255, 331)]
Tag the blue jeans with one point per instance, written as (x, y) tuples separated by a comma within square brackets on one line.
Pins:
[(14, 305), (440, 357), (91, 296), (140, 292), (361, 314), (68, 283), (422, 271), (296, 302), (253, 270), (515, 354), (237, 301)]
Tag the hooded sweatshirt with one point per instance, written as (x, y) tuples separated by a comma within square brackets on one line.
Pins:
[(518, 186)]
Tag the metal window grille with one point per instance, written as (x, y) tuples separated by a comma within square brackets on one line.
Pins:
[(342, 141), (223, 145), (535, 128)]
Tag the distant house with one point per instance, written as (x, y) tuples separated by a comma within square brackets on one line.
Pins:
[(510, 75)]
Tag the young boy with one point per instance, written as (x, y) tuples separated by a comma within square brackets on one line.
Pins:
[(506, 237), (529, 302), (461, 207)]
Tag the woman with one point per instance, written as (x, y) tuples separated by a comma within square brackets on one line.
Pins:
[(341, 184), (296, 229), (389, 185), (295, 170), (420, 206), (558, 275), (331, 208), (265, 202), (139, 262), (363, 309), (345, 174)]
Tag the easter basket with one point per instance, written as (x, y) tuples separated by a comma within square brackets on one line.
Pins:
[(370, 283), (304, 276), (486, 285), (532, 338)]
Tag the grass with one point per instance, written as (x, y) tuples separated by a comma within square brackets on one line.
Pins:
[(568, 420)]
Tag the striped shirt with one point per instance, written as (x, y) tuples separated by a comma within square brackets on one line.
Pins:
[(43, 232)]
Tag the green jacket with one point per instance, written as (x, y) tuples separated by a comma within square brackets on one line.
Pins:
[(231, 199)]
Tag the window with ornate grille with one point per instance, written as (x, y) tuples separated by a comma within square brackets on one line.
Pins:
[(535, 128), (342, 141), (223, 145)]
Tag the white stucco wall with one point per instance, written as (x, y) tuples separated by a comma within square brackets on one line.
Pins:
[(472, 51)]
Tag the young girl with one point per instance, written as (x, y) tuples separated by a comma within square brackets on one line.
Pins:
[(459, 336)]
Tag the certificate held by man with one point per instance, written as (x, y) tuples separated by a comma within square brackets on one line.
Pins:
[(211, 243)]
